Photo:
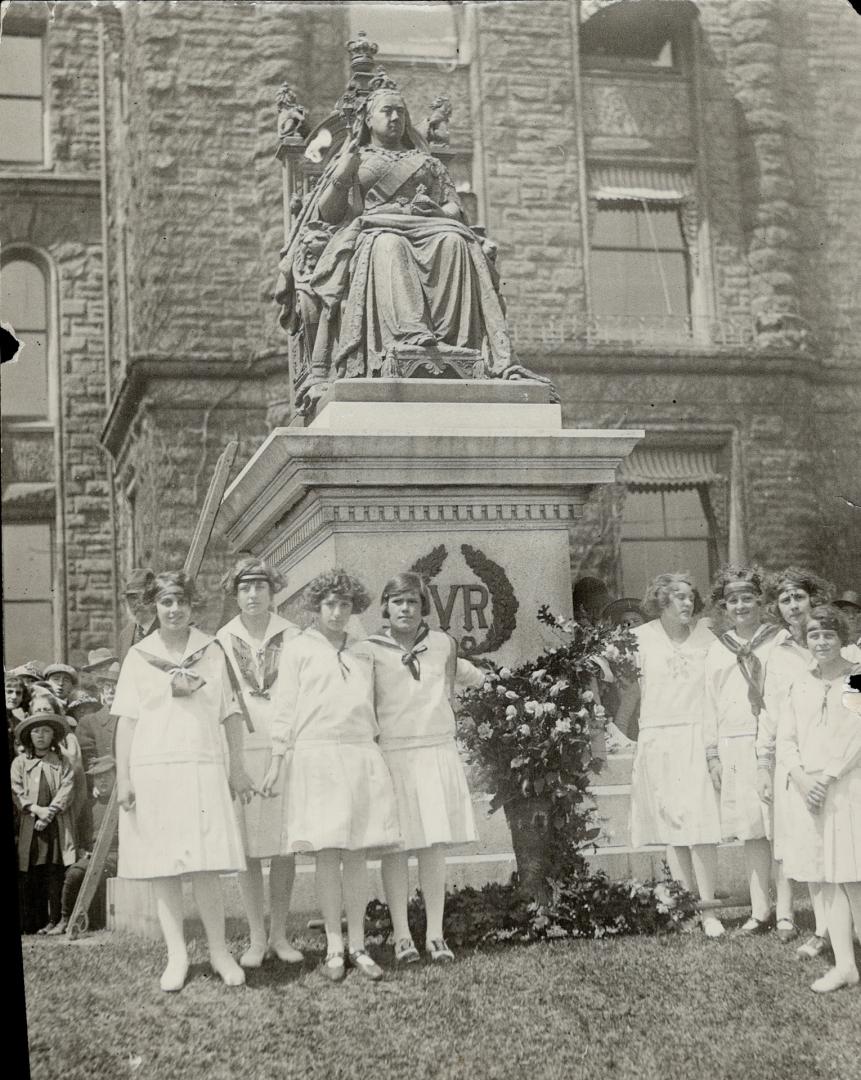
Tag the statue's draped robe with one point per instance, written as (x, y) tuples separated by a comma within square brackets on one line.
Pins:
[(391, 277)]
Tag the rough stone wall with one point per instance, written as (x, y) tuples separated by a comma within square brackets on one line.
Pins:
[(524, 54), (66, 227)]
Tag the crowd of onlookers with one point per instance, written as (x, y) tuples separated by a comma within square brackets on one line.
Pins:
[(58, 809)]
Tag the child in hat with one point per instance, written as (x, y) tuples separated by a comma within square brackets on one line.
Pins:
[(42, 785)]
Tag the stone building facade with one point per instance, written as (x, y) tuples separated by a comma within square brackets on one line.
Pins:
[(673, 190)]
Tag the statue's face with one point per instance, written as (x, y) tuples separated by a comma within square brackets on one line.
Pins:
[(387, 119)]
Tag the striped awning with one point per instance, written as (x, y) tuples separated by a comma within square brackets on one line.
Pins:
[(648, 469), (590, 8), (633, 183)]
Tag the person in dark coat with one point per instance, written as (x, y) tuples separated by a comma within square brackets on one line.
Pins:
[(142, 618)]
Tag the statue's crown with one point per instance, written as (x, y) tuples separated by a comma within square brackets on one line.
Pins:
[(362, 52)]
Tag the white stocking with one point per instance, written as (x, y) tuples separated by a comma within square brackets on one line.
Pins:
[(757, 858), (704, 860), (251, 887), (328, 880), (842, 901), (432, 879), (282, 872), (210, 904), (355, 895), (168, 905), (681, 866), (783, 887), (396, 882), (820, 908)]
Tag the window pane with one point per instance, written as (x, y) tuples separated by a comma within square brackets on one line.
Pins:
[(642, 515), (616, 228), (21, 130), (27, 562), (684, 514), (642, 560), (21, 65), (407, 29), (628, 283), (28, 632), (22, 287), (24, 381), (666, 226)]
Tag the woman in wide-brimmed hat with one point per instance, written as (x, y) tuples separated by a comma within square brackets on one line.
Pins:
[(42, 785)]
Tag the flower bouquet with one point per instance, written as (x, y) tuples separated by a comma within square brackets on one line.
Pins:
[(529, 734)]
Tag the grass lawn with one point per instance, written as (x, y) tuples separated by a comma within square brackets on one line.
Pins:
[(671, 1007)]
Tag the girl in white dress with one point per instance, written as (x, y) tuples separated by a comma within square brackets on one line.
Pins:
[(253, 642), (673, 801), (174, 786), (734, 703), (820, 750), (339, 798), (417, 671), (789, 596)]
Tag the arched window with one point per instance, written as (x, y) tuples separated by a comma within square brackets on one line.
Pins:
[(24, 382)]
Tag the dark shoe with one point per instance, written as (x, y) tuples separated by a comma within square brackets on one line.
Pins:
[(439, 951), (363, 963), (333, 967), (786, 931), (406, 952), (753, 927)]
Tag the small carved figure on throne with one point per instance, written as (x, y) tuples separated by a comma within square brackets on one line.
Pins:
[(292, 123), (436, 123)]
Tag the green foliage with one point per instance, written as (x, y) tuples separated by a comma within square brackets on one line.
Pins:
[(584, 905), (528, 732)]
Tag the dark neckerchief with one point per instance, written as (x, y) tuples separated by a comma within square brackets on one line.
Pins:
[(183, 681), (749, 663), (409, 657), (244, 657)]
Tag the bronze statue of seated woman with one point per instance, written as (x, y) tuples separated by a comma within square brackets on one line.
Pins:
[(385, 266)]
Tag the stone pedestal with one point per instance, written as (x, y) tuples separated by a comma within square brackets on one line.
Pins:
[(476, 484)]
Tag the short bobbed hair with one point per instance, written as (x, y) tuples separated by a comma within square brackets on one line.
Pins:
[(657, 595), (817, 588), (250, 566), (170, 581), (408, 581), (750, 576), (830, 617), (341, 584)]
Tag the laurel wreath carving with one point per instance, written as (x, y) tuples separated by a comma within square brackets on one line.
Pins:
[(428, 566), (504, 603)]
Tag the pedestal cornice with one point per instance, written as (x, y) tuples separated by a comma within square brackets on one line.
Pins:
[(292, 462)]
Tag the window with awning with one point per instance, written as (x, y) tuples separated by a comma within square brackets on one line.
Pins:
[(673, 517)]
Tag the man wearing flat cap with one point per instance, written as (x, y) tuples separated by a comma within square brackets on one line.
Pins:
[(142, 619)]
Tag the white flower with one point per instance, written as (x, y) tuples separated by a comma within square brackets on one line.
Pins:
[(549, 708), (510, 694), (485, 731), (525, 729), (531, 707), (611, 652), (587, 696), (505, 673), (600, 712), (562, 727), (511, 712), (537, 676), (558, 687), (519, 762)]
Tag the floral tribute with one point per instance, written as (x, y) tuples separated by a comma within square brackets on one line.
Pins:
[(529, 734), (532, 737)]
